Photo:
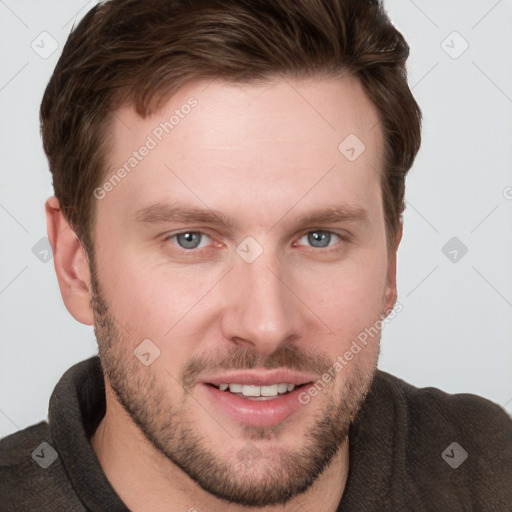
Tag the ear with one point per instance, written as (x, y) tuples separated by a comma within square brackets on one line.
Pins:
[(71, 264), (390, 295)]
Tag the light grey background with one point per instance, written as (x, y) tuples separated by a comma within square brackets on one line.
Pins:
[(454, 331)]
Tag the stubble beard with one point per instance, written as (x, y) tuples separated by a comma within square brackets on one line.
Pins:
[(264, 477)]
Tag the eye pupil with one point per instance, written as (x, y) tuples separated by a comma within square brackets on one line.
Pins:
[(319, 238), (188, 240)]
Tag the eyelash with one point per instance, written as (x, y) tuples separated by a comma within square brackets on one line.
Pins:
[(327, 249)]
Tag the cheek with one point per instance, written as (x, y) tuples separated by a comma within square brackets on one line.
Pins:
[(159, 301), (348, 298)]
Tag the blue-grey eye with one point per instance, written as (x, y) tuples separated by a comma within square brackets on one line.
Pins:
[(189, 239), (320, 239)]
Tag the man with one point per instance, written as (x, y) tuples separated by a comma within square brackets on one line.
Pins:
[(229, 184)]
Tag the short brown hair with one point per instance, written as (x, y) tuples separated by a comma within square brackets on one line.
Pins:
[(140, 52)]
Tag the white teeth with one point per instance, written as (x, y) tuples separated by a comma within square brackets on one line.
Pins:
[(249, 390), (269, 390), (282, 388), (255, 391)]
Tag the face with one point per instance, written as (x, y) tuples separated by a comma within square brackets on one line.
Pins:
[(243, 247)]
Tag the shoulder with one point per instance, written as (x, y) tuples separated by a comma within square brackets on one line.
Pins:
[(458, 442), (463, 413), (16, 449), (31, 474)]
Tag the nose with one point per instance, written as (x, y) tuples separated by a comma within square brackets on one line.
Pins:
[(261, 310)]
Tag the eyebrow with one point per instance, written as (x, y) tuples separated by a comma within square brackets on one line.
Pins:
[(161, 213), (334, 214)]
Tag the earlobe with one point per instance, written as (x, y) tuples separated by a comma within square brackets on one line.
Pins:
[(71, 264)]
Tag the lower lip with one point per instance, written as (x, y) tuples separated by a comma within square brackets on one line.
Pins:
[(258, 413)]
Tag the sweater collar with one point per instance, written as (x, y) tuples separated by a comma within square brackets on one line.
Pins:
[(376, 441), (77, 405)]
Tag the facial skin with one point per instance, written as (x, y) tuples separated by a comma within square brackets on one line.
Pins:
[(265, 156)]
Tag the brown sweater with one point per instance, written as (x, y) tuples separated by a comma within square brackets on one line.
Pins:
[(410, 450)]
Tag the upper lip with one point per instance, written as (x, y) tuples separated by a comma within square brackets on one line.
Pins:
[(259, 377)]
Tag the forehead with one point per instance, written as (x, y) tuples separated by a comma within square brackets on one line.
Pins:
[(235, 146)]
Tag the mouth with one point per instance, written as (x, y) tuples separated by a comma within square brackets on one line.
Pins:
[(259, 393), (256, 398)]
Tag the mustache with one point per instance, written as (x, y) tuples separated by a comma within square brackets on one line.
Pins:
[(289, 356)]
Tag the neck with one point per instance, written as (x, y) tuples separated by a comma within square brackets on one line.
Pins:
[(146, 480)]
